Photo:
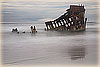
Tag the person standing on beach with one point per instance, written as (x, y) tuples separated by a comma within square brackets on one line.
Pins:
[(33, 30)]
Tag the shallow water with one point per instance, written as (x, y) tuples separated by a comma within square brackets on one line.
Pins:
[(49, 47)]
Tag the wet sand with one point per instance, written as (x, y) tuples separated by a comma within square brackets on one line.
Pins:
[(49, 47)]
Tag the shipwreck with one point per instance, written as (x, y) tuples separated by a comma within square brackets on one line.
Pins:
[(72, 20)]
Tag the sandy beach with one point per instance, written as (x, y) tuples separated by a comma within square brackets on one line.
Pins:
[(48, 47)]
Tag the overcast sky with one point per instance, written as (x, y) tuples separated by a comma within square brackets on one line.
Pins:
[(43, 10)]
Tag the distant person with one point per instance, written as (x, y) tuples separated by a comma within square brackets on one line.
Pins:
[(31, 27), (15, 30), (33, 30)]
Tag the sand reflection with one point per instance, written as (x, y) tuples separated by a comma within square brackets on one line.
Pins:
[(77, 52)]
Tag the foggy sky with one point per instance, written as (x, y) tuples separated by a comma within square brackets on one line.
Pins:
[(43, 10)]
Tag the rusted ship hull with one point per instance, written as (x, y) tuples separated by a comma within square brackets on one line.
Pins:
[(72, 20)]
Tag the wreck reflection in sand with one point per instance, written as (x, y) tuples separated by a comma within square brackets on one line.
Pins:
[(77, 52)]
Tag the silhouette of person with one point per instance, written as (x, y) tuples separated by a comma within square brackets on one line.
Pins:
[(33, 30)]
